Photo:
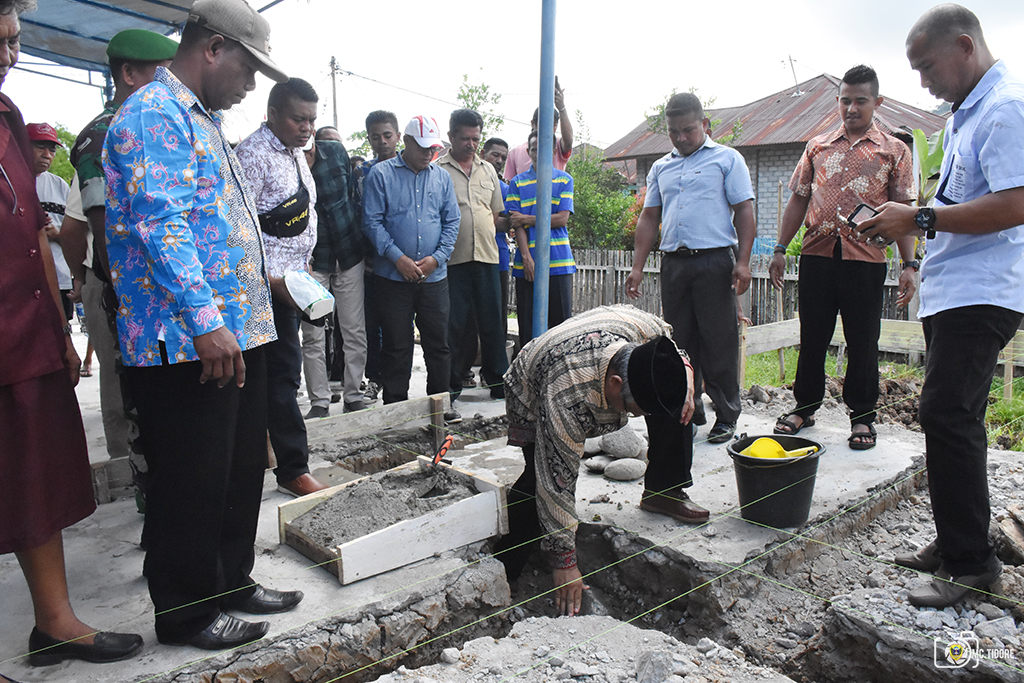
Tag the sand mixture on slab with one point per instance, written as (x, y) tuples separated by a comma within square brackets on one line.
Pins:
[(378, 501)]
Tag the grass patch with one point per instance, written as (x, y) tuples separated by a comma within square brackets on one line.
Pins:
[(763, 368), (1004, 421)]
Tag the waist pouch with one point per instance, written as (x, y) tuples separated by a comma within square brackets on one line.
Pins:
[(289, 218)]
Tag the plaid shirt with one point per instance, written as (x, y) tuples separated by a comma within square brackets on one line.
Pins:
[(341, 238)]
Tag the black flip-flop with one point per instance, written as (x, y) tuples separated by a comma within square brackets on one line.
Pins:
[(791, 426), (863, 445)]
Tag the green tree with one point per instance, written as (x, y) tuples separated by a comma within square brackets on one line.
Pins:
[(61, 165), (363, 150), (601, 199), (482, 99)]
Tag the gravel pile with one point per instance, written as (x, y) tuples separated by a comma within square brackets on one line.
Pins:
[(588, 649)]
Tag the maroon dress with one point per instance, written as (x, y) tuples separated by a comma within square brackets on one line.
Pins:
[(45, 482)]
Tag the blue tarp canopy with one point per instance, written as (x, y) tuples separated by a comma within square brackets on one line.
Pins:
[(75, 33)]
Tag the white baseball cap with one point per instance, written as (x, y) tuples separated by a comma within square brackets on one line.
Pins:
[(425, 131)]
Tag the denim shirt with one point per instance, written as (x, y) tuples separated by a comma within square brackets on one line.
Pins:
[(411, 214)]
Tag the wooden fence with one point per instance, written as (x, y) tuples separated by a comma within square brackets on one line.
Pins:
[(601, 279)]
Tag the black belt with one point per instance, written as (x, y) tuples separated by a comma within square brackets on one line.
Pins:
[(686, 253)]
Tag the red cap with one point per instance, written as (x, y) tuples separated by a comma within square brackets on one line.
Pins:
[(43, 132)]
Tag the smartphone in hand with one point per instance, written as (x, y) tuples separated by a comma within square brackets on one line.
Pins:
[(860, 214)]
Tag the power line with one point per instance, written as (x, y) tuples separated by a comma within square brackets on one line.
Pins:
[(414, 92)]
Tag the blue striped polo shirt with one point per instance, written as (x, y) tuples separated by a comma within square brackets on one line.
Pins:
[(522, 197)]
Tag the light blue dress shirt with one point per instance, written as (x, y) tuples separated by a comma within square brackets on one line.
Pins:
[(984, 153), (415, 214), (697, 193)]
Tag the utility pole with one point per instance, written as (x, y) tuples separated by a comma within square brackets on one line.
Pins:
[(796, 82), (334, 89)]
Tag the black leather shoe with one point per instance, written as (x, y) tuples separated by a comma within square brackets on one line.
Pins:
[(721, 432), (45, 650), (225, 632), (266, 601), (924, 560)]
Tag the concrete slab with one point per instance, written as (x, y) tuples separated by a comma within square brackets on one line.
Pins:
[(844, 475), (108, 591)]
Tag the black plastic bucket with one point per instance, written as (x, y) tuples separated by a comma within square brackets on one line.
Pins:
[(776, 492)]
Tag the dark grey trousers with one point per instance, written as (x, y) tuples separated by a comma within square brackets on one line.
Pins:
[(698, 301)]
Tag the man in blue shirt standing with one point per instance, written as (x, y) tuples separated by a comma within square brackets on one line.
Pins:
[(700, 194), (972, 288), (411, 217)]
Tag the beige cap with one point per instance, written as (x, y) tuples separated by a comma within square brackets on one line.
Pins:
[(235, 19)]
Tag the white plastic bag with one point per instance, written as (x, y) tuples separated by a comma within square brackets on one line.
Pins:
[(309, 295)]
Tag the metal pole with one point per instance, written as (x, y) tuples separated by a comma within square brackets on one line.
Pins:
[(545, 149), (334, 90)]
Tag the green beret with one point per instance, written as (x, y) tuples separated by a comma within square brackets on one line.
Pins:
[(139, 45)]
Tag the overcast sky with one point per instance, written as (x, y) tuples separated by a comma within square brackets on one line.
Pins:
[(614, 60)]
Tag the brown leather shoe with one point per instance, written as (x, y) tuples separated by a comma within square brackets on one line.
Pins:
[(676, 504), (924, 560), (302, 485)]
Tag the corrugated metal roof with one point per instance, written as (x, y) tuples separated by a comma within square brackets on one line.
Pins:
[(782, 118)]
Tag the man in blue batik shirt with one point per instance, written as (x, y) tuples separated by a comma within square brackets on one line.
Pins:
[(411, 217), (972, 288), (194, 315)]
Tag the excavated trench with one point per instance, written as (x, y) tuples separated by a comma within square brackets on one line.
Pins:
[(775, 605)]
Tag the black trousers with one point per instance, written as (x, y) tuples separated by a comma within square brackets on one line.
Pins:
[(398, 303), (670, 454), (284, 419), (853, 289), (962, 345), (373, 336), (476, 296), (559, 304), (206, 450), (698, 300)]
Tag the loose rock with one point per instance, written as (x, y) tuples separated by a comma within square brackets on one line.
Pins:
[(997, 628), (598, 463), (624, 443), (626, 469)]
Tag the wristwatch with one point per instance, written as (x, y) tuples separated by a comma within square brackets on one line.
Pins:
[(914, 263), (925, 219)]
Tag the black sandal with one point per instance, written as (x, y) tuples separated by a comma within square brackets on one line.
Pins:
[(787, 427), (867, 439)]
